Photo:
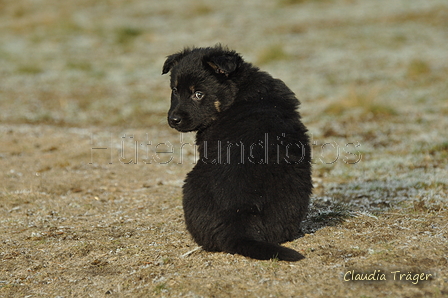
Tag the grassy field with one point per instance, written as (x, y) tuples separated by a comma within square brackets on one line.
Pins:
[(90, 198)]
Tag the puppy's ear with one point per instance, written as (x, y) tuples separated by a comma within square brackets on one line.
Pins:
[(173, 59), (225, 64)]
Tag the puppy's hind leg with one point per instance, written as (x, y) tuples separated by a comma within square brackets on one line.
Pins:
[(238, 234)]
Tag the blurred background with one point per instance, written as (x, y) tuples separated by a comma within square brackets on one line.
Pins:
[(81, 63)]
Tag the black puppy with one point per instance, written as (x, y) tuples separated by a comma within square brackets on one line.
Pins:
[(250, 188)]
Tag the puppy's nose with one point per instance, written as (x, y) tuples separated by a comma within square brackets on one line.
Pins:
[(174, 120)]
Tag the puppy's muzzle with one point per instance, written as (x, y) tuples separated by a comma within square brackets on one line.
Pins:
[(174, 120)]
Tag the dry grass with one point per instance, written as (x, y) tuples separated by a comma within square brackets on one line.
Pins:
[(296, 2), (435, 16), (200, 8), (367, 105), (272, 53), (417, 69)]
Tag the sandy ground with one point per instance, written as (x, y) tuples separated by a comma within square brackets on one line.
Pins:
[(90, 194)]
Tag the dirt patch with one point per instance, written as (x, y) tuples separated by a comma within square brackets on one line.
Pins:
[(71, 228)]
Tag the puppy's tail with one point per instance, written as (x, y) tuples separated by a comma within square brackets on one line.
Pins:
[(265, 251)]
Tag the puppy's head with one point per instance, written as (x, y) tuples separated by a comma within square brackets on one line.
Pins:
[(202, 84)]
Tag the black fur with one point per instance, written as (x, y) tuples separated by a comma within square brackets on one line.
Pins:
[(250, 188)]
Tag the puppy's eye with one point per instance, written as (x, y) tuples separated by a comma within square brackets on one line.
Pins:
[(174, 89), (198, 95)]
